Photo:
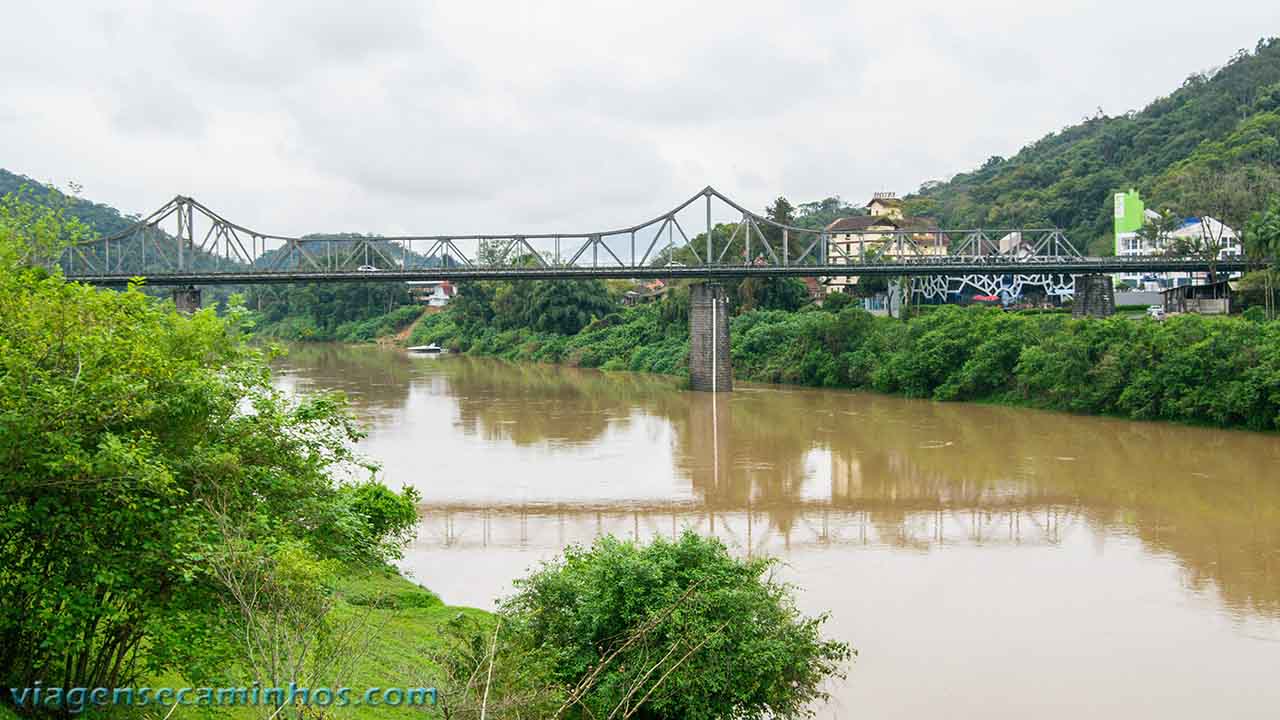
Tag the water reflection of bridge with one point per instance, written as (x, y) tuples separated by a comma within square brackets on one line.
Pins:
[(750, 528)]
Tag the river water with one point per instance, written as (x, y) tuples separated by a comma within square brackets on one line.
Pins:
[(985, 561)]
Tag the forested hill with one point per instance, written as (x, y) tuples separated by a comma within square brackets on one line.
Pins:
[(102, 218), (1217, 120)]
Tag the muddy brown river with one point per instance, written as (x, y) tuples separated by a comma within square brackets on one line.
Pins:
[(986, 562)]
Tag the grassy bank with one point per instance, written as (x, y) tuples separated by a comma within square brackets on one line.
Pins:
[(403, 623), (1206, 370)]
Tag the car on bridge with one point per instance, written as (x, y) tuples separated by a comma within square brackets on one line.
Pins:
[(368, 268)]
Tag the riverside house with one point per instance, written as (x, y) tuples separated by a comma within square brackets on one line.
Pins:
[(884, 233)]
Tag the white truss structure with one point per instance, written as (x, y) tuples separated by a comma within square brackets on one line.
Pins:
[(1027, 246)]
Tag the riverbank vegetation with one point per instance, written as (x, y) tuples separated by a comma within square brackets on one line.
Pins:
[(674, 629), (164, 507), (337, 312), (1211, 370)]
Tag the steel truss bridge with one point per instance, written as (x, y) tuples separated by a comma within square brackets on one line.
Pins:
[(186, 243)]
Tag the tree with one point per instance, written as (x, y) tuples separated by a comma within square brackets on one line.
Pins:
[(673, 629), (123, 424), (1262, 244), (837, 301), (772, 293), (1155, 232), (783, 213), (775, 293), (871, 285), (819, 214), (1223, 201), (566, 306), (722, 236), (35, 234)]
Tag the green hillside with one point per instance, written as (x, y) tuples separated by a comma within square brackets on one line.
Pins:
[(102, 218), (1218, 120)]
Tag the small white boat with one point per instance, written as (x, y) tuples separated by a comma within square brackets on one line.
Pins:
[(432, 349)]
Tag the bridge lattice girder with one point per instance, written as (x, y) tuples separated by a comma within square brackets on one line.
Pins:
[(184, 242)]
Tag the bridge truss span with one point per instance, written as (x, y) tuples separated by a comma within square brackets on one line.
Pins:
[(707, 236)]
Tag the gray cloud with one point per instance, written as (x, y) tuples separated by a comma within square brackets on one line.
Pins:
[(143, 104), (394, 117)]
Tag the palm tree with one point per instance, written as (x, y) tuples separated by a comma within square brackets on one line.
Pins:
[(1262, 243)]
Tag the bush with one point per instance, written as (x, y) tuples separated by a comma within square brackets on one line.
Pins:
[(379, 521), (304, 328), (835, 302), (620, 609), (373, 328)]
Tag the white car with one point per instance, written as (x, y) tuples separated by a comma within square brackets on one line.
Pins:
[(367, 268), (1155, 312)]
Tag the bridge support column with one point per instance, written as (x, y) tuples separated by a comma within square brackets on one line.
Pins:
[(1095, 296), (710, 367), (187, 299)]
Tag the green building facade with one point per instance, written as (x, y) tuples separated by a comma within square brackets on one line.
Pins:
[(1129, 212)]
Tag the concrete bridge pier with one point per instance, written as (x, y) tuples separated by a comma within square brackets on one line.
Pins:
[(710, 367), (187, 299), (1095, 296)]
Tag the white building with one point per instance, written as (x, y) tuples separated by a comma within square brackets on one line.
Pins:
[(432, 293), (1196, 232)]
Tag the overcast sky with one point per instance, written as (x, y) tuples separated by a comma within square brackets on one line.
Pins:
[(295, 117)]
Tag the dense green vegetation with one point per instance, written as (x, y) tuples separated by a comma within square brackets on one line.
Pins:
[(152, 473), (343, 312), (407, 627), (675, 629), (1262, 243), (1221, 371), (1217, 121), (648, 338)]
